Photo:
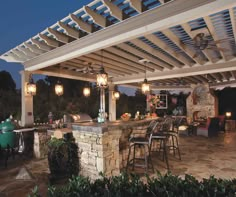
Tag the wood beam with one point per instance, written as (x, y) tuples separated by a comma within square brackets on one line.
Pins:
[(187, 29), (183, 72), (34, 48), (60, 36), (98, 19), (221, 85), (174, 12), (130, 65), (161, 44), (72, 32), (115, 10), (27, 52), (138, 5), (233, 73), (113, 64), (175, 39), (217, 76), (106, 65), (65, 74), (82, 24), (144, 56), (156, 53), (80, 64), (50, 41), (20, 54), (233, 22), (41, 45), (214, 35)]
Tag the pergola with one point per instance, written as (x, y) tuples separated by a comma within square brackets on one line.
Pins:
[(120, 33)]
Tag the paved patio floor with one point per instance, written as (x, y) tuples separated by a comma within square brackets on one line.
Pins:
[(201, 157)]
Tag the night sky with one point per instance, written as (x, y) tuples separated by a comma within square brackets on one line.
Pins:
[(21, 20)]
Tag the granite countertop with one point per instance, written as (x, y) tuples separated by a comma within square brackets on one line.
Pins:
[(108, 126)]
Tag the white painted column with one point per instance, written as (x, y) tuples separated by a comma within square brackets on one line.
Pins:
[(27, 116), (112, 103)]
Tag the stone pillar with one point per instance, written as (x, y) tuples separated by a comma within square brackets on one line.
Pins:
[(112, 103), (27, 116)]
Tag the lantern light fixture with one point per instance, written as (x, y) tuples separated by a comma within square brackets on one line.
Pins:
[(86, 91), (145, 85), (102, 76), (31, 86), (59, 89), (228, 114), (116, 95)]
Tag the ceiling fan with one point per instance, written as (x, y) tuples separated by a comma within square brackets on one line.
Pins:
[(89, 69), (202, 41)]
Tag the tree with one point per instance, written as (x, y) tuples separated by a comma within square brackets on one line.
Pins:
[(6, 81)]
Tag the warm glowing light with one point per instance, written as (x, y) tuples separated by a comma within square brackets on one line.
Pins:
[(31, 89), (59, 90), (86, 91), (116, 95), (31, 86), (145, 87), (228, 114), (102, 78)]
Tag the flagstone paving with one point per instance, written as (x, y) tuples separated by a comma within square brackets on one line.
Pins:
[(201, 157)]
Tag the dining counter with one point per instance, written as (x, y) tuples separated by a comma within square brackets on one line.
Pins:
[(103, 147)]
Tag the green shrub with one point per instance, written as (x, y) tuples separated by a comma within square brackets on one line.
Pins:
[(126, 185)]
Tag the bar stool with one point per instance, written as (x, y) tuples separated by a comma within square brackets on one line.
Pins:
[(169, 128), (141, 142), (162, 138)]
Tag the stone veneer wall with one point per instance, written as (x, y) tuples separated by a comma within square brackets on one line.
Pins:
[(206, 102), (41, 139), (105, 152)]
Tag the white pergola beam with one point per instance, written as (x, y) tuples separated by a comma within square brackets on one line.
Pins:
[(115, 11), (175, 39), (163, 17), (64, 74), (50, 41), (98, 19), (34, 48), (156, 53), (187, 28), (154, 39), (69, 30), (82, 24), (183, 72), (41, 45), (233, 22)]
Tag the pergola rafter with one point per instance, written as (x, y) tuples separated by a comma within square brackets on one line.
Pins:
[(132, 30)]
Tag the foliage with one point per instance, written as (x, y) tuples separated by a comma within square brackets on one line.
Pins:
[(63, 157), (126, 185)]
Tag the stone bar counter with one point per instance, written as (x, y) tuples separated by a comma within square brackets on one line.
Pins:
[(103, 147)]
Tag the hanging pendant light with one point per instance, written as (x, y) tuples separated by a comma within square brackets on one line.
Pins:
[(145, 85), (31, 86), (86, 91), (102, 77), (59, 89), (116, 95)]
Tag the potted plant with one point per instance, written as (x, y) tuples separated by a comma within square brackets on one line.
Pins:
[(62, 158)]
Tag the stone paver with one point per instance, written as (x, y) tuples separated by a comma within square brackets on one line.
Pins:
[(201, 157)]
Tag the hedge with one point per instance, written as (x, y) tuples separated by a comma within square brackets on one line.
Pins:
[(125, 185)]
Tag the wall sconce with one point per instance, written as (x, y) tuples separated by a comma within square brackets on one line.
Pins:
[(228, 114), (59, 89), (31, 86), (116, 95), (86, 91)]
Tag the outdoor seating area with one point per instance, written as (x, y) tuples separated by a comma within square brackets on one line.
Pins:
[(201, 157), (122, 86)]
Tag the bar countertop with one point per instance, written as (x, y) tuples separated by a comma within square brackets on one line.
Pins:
[(104, 127)]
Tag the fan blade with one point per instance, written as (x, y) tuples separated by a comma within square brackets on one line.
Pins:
[(195, 55), (222, 40)]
